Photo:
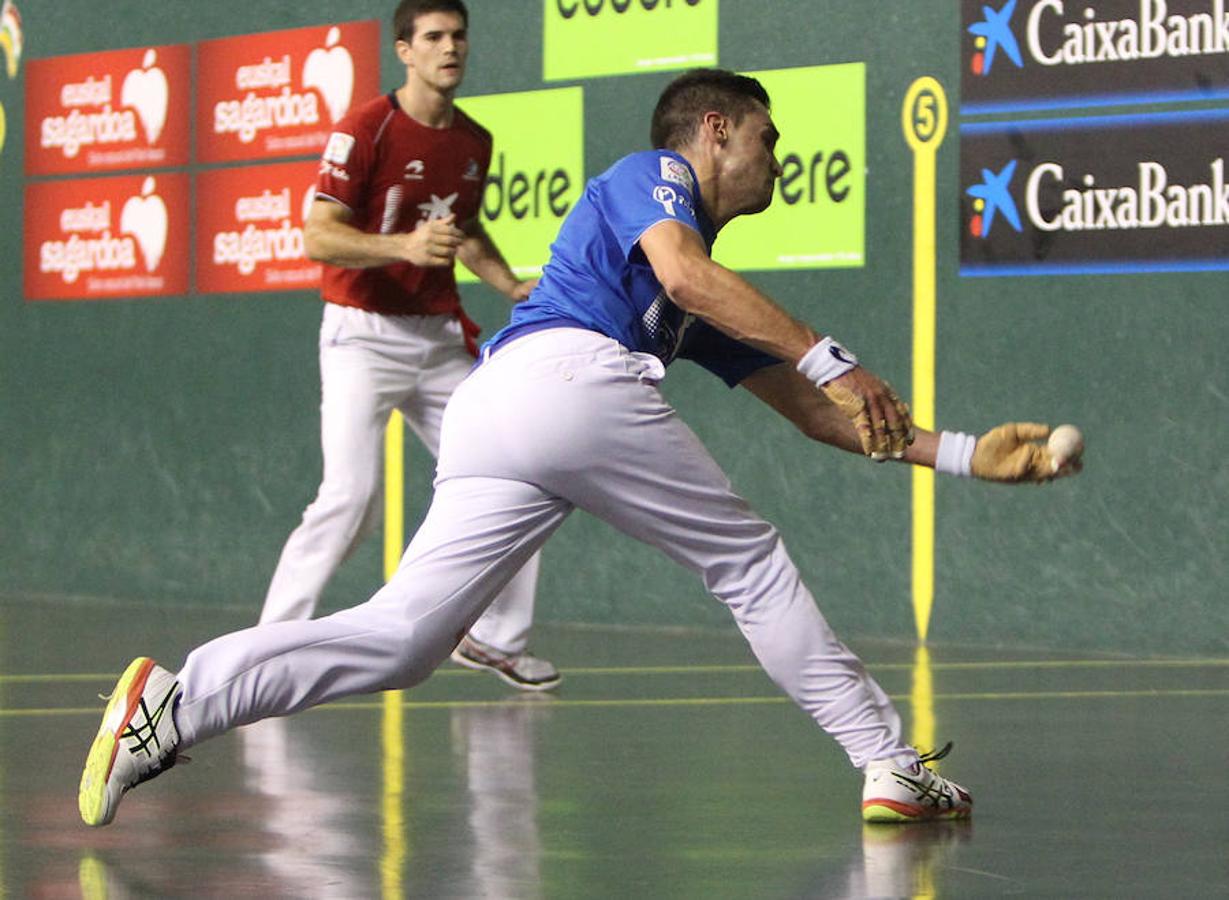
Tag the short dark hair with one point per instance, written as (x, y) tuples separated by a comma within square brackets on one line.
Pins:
[(408, 12), (687, 98)]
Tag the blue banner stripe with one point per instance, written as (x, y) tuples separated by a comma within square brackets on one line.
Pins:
[(1075, 102), (1132, 267), (1097, 123)]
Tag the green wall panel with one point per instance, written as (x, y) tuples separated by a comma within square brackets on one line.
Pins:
[(163, 449)]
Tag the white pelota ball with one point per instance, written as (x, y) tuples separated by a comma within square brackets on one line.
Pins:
[(1066, 445)]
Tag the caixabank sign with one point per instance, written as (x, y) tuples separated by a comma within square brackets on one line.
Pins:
[(1041, 54), (1108, 194)]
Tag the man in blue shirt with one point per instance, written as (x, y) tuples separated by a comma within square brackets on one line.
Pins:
[(563, 412)]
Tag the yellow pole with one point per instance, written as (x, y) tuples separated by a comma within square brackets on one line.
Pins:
[(392, 734), (394, 493), (924, 118), (922, 699)]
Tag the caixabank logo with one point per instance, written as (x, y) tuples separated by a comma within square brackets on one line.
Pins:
[(122, 109), (279, 93), (1044, 198), (1042, 54)]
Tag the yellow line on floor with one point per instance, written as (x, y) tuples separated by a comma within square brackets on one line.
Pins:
[(557, 703), (750, 667)]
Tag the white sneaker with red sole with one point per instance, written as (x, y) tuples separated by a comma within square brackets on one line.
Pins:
[(896, 793), (137, 740)]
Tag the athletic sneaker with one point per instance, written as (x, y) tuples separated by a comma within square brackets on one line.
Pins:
[(137, 740), (526, 672), (895, 793)]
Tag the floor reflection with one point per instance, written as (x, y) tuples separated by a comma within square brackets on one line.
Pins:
[(306, 821), (496, 746), (98, 882), (899, 861)]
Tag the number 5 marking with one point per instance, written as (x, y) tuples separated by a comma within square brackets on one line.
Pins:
[(924, 119)]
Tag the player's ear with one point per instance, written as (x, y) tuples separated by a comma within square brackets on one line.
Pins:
[(716, 125), (404, 53)]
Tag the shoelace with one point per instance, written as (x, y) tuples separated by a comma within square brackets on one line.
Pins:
[(935, 755)]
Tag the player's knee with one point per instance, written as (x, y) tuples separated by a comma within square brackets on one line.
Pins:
[(759, 570), (352, 494)]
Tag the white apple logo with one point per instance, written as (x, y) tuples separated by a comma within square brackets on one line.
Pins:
[(330, 70), (146, 91), (145, 219), (308, 199)]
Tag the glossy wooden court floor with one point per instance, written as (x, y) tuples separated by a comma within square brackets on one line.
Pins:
[(666, 766)]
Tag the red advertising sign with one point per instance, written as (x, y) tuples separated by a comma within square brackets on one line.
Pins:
[(249, 229), (99, 238), (261, 96), (98, 112)]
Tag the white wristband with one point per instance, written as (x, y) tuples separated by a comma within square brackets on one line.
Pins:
[(955, 454), (825, 361)]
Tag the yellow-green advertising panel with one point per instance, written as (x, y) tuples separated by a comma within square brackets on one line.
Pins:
[(585, 38), (818, 215), (537, 170)]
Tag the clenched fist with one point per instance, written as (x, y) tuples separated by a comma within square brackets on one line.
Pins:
[(433, 244)]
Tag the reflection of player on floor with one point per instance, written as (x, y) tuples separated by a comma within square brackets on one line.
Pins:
[(397, 200), (309, 818), (497, 745), (565, 412)]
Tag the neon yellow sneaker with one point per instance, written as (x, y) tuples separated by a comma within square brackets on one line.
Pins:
[(895, 793), (137, 740)]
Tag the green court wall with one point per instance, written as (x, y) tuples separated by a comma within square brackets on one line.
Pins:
[(162, 449)]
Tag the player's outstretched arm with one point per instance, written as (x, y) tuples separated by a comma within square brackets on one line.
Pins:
[(1015, 453), (734, 306), (479, 254), (330, 238)]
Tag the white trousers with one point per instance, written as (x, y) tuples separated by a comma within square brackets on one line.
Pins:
[(371, 364), (555, 420)]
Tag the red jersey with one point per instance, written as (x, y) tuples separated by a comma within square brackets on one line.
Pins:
[(393, 173)]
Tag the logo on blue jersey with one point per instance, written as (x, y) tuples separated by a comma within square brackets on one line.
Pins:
[(992, 197), (666, 196), (677, 172), (991, 34), (664, 324)]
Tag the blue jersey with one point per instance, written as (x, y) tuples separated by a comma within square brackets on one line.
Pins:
[(599, 279)]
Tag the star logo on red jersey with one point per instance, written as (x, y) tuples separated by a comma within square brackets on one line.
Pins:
[(438, 207)]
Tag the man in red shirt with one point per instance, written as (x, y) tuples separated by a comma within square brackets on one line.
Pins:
[(397, 202)]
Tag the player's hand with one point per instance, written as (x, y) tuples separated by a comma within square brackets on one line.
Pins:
[(1015, 453), (882, 419), (523, 289), (434, 243)]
